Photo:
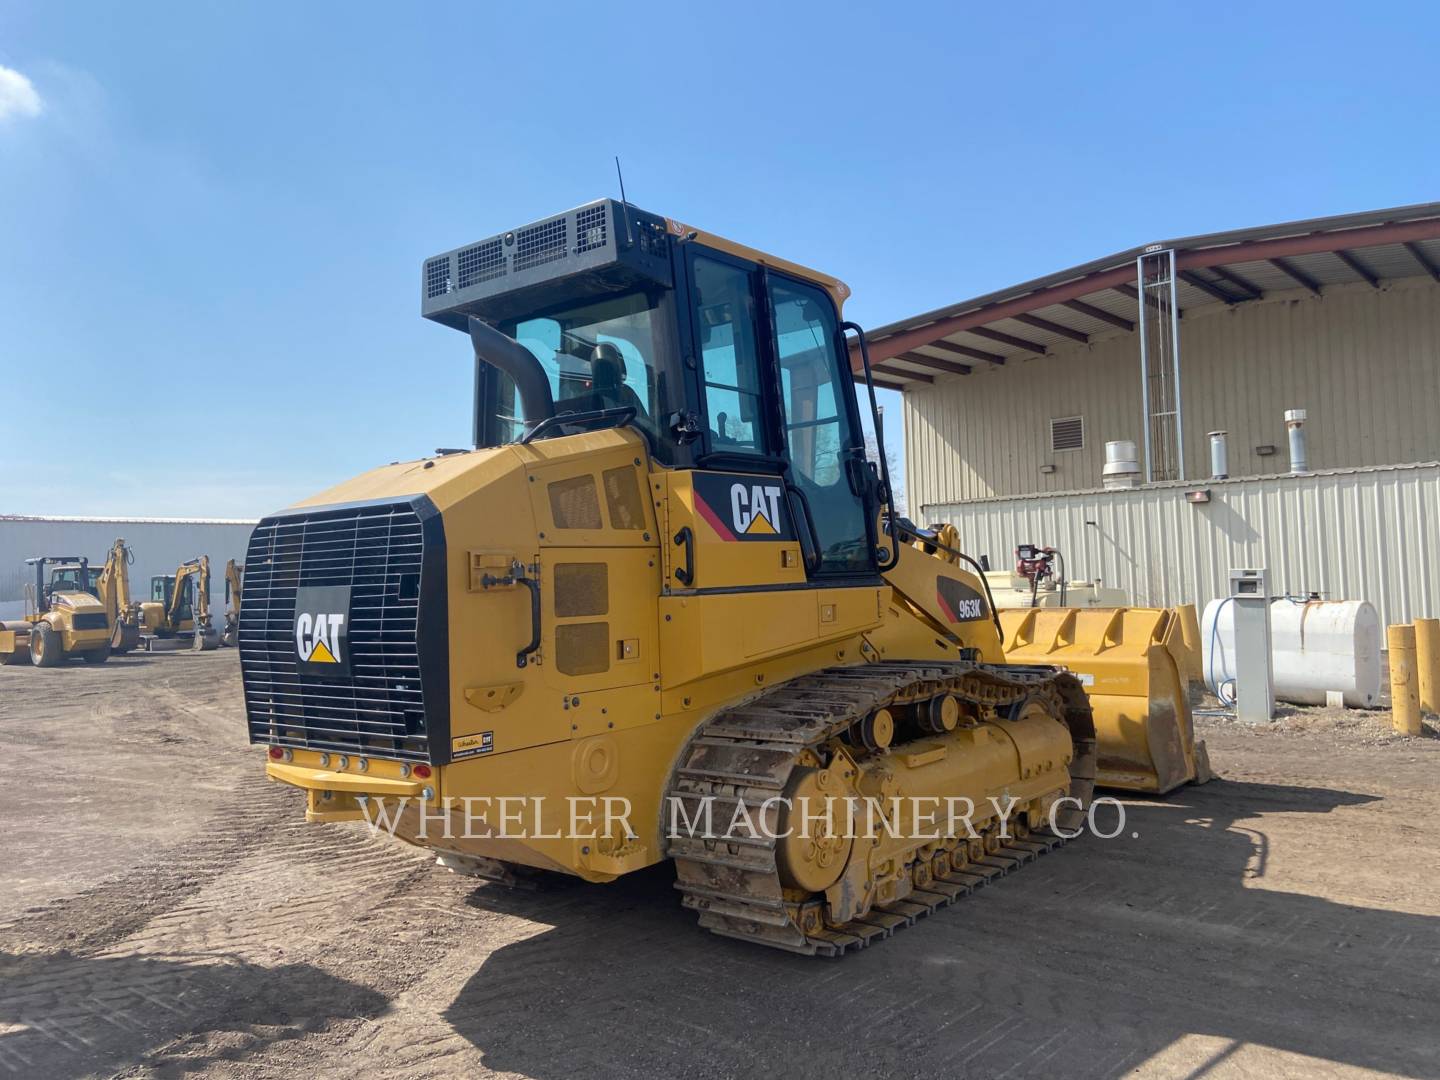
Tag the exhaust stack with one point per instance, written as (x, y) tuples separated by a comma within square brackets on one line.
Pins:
[(1219, 455), (1295, 422)]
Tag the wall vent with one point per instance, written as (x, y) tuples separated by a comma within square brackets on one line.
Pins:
[(1067, 433)]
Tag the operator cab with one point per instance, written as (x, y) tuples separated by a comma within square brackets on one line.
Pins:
[(68, 573), (722, 357), (73, 577), (162, 588)]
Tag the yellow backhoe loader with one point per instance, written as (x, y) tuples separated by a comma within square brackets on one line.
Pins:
[(111, 585), (178, 610), (62, 619), (234, 578), (666, 582)]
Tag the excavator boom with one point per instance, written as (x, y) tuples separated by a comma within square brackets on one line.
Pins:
[(234, 580)]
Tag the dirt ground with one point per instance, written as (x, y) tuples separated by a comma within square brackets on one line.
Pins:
[(165, 911)]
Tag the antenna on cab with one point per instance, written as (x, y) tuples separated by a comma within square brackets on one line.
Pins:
[(628, 238)]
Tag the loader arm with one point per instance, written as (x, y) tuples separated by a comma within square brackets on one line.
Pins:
[(950, 599)]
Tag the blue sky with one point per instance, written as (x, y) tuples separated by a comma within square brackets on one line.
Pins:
[(212, 215)]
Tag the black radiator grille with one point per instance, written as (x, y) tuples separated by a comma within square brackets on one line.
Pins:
[(90, 620), (380, 708), (437, 277)]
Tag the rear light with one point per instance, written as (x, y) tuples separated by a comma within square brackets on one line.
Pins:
[(422, 771), (276, 753)]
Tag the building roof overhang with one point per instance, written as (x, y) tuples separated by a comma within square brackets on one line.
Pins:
[(1100, 297)]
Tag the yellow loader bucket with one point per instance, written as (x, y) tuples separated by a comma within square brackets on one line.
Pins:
[(1137, 665)]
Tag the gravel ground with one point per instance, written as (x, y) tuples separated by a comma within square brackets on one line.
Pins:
[(165, 911)]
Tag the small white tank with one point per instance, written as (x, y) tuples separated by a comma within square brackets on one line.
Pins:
[(1318, 647), (1122, 464)]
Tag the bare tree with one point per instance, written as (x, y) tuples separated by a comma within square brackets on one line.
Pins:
[(897, 470)]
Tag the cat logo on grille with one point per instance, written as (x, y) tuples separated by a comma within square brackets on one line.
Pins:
[(322, 629)]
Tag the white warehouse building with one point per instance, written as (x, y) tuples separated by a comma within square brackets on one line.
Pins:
[(159, 545), (1011, 398)]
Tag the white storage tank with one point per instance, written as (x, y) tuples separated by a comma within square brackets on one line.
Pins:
[(1319, 647)]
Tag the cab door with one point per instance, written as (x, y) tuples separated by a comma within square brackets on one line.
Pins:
[(824, 444), (766, 539)]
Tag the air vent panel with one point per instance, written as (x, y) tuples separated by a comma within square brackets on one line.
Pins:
[(437, 277), (1067, 433), (483, 262), (541, 244)]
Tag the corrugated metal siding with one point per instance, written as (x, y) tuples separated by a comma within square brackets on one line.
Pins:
[(158, 548), (1364, 363), (1364, 534)]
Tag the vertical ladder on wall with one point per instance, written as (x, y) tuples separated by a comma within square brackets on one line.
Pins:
[(1159, 323)]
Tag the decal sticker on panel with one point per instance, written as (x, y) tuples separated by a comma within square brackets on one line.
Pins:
[(959, 601), (322, 630), (472, 745), (740, 506)]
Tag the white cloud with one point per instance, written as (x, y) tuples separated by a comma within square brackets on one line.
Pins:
[(18, 96)]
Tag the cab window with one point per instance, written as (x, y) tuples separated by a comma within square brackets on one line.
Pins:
[(820, 436), (729, 356), (603, 354)]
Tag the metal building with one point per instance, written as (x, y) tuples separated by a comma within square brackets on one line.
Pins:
[(158, 544), (1013, 396)]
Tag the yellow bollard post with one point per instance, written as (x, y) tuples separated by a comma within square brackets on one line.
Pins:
[(1404, 686), (1427, 659)]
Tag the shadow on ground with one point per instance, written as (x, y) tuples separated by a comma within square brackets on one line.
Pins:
[(1085, 964), (63, 1015)]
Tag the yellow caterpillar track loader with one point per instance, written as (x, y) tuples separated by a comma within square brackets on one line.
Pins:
[(1140, 666), (62, 619), (111, 585), (178, 610), (234, 579), (665, 584)]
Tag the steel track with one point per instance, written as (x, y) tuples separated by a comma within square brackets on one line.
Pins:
[(746, 755)]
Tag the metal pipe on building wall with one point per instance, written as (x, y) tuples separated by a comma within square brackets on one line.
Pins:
[(1295, 422), (1140, 321), (1219, 455), (1175, 360)]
